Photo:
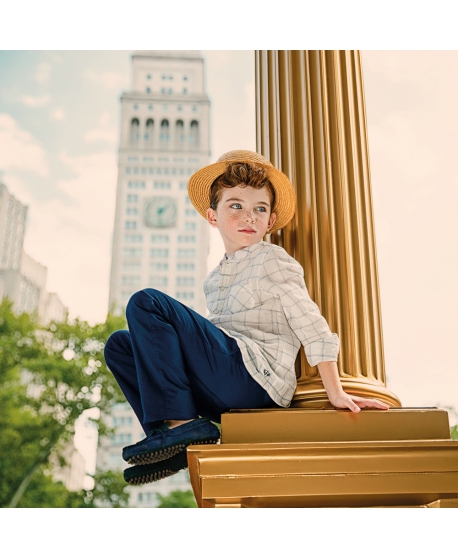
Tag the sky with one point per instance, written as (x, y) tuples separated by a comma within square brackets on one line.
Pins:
[(59, 130), (59, 117)]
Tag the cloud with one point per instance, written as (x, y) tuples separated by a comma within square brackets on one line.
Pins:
[(20, 149), (43, 72), (73, 238), (35, 100), (110, 80), (58, 114), (18, 189), (105, 131)]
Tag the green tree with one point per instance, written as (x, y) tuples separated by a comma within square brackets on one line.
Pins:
[(177, 500), (43, 491), (110, 490), (48, 377)]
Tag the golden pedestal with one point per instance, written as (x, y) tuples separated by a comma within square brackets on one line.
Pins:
[(311, 124), (328, 458)]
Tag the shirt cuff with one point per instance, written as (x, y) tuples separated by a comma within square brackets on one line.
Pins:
[(326, 349)]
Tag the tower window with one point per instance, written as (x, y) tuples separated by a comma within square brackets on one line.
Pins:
[(148, 90), (149, 134), (185, 90), (194, 133), (134, 130), (179, 131), (148, 77), (164, 135)]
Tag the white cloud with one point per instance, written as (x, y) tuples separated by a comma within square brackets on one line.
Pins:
[(43, 72), (58, 114), (20, 149), (105, 131), (18, 189), (110, 80), (35, 100), (74, 239)]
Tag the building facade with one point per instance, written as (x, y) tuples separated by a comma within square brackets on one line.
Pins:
[(159, 239), (13, 215), (23, 279)]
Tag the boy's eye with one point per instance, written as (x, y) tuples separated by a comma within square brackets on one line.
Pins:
[(261, 208), (238, 208)]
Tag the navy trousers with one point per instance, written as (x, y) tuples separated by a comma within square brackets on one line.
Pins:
[(173, 363)]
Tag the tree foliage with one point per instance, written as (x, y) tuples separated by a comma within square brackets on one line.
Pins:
[(43, 491), (48, 377), (177, 500)]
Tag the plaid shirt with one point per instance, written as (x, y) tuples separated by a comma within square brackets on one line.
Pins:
[(258, 296)]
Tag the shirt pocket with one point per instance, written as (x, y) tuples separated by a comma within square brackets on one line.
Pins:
[(243, 296)]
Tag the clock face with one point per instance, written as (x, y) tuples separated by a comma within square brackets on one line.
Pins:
[(160, 211)]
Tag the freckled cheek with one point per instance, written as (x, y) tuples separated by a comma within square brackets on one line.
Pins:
[(231, 220)]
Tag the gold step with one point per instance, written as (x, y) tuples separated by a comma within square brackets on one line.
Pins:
[(305, 425), (326, 474)]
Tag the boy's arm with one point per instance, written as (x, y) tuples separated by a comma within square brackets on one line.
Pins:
[(340, 399)]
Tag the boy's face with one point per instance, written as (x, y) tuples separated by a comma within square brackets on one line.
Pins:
[(243, 216)]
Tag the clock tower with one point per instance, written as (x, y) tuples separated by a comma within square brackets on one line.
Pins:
[(159, 240)]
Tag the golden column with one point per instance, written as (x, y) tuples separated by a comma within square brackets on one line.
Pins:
[(311, 124)]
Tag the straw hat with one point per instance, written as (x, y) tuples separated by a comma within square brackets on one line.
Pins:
[(285, 200)]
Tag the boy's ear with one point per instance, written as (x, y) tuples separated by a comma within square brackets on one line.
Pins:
[(272, 219), (211, 217)]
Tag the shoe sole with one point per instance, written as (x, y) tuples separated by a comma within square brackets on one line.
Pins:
[(150, 478), (164, 454)]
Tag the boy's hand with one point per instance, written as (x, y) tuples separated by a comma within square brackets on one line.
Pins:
[(340, 399), (356, 403)]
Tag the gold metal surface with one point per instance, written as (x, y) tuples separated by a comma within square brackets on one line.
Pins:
[(327, 474), (304, 425), (311, 124)]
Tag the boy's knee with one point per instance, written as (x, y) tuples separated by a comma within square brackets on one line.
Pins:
[(116, 342), (142, 300)]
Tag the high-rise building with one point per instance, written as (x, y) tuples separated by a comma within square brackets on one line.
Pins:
[(13, 216), (23, 279), (159, 240)]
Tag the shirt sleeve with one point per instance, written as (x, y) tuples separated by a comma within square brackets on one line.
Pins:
[(284, 278)]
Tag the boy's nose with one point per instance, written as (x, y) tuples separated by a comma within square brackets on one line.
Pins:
[(249, 216)]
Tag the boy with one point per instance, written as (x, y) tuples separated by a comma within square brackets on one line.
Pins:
[(173, 365)]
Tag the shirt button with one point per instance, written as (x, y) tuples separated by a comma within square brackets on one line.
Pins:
[(216, 312), (266, 373), (222, 288)]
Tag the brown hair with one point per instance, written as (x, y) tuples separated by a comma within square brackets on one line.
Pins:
[(241, 174)]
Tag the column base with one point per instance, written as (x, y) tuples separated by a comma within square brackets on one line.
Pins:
[(312, 395), (418, 471)]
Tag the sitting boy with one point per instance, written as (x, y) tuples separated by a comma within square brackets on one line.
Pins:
[(174, 365)]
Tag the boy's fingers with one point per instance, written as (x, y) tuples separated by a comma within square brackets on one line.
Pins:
[(354, 407), (374, 404)]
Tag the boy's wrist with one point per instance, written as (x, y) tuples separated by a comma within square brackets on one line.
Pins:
[(331, 380)]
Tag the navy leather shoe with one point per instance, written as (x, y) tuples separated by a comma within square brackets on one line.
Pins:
[(154, 472), (163, 443)]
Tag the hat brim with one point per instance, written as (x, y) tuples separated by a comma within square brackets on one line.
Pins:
[(199, 185)]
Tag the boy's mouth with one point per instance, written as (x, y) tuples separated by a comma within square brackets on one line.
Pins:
[(247, 230)]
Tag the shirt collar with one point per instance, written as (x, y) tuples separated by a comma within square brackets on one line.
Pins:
[(242, 253)]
